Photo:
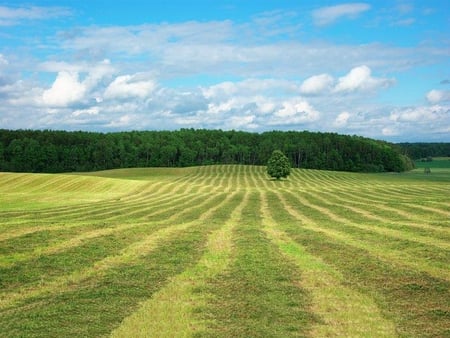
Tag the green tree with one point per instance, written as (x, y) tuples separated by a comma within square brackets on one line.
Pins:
[(278, 165)]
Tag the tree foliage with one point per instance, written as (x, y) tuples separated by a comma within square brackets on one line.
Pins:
[(278, 165), (63, 151), (422, 150)]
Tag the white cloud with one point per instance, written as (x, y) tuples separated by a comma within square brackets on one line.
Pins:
[(359, 78), (404, 22), (218, 74), (224, 47), (122, 121), (87, 111), (128, 86), (14, 15), (342, 119), (294, 111), (316, 84), (422, 114), (65, 90), (389, 131), (3, 60), (327, 15), (242, 122), (249, 87), (436, 96)]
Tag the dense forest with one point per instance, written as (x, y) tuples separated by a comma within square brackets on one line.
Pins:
[(63, 151), (418, 151)]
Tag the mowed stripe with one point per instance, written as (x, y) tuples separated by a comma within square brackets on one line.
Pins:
[(341, 310), (353, 239), (141, 247), (409, 297), (229, 250), (258, 294), (170, 312), (327, 207)]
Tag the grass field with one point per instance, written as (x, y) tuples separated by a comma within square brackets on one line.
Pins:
[(224, 251)]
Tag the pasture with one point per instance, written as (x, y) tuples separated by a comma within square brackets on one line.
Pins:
[(224, 251)]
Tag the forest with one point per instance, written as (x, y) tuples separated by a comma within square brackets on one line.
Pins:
[(421, 150), (52, 151)]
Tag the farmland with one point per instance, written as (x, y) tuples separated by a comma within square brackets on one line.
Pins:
[(224, 251)]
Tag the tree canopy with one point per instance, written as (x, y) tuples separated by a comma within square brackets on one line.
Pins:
[(278, 165), (64, 151)]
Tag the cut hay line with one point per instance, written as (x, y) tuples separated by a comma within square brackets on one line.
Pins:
[(65, 245), (390, 257), (409, 297), (106, 206), (342, 311), (115, 206), (258, 294), (134, 251), (76, 211), (68, 282), (379, 230), (170, 312), (381, 204), (78, 240), (22, 231), (343, 199), (336, 203), (432, 210), (353, 245), (96, 210), (7, 178)]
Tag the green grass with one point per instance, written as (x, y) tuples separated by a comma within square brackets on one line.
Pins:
[(224, 251), (437, 162)]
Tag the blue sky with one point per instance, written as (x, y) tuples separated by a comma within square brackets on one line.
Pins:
[(378, 69)]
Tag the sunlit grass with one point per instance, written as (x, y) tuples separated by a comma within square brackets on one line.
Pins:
[(221, 251)]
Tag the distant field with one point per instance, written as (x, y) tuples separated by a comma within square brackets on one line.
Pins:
[(437, 162), (224, 251)]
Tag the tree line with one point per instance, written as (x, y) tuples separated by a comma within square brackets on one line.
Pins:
[(422, 150), (63, 151)]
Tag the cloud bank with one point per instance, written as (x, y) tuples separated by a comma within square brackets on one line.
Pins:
[(219, 74), (328, 15)]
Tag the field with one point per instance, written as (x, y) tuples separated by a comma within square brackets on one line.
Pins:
[(224, 251)]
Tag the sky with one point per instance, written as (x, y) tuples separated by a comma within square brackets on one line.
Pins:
[(379, 69)]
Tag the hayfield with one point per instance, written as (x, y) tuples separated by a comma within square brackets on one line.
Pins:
[(224, 251)]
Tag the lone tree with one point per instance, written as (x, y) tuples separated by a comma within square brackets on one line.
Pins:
[(278, 165)]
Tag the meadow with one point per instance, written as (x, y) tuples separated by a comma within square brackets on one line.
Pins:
[(225, 251)]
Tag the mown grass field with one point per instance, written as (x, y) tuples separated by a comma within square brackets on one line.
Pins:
[(223, 251)]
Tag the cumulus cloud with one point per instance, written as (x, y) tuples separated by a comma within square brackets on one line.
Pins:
[(66, 89), (418, 123), (342, 119), (128, 86), (3, 60), (88, 111), (436, 96), (421, 114), (293, 112), (242, 122), (122, 121), (328, 15), (250, 87), (317, 84), (171, 75), (14, 15), (390, 131), (225, 47), (359, 78)]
